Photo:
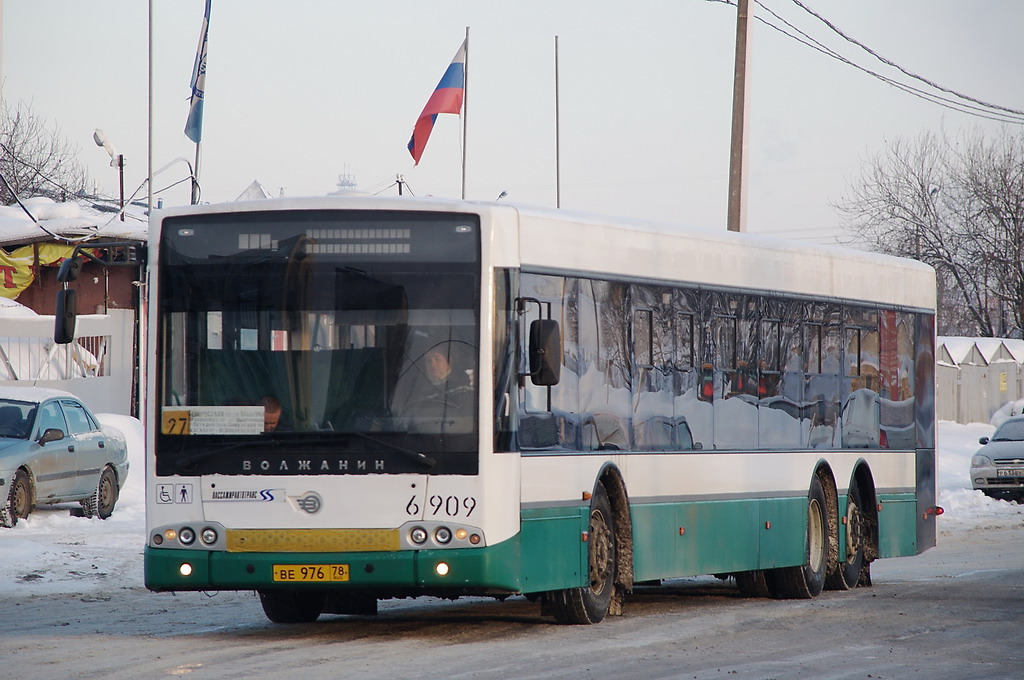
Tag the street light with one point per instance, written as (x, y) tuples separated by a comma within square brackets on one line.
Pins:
[(116, 160)]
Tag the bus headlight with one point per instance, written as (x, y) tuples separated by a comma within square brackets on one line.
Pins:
[(418, 535), (187, 536), (443, 535), (209, 535)]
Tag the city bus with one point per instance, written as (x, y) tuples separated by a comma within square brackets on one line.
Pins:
[(352, 399)]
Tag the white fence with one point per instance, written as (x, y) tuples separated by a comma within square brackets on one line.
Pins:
[(97, 367), (976, 376)]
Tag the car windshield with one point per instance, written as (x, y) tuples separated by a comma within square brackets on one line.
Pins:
[(16, 418), (1010, 431)]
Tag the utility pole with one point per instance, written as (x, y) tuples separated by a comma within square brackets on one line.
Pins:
[(738, 152)]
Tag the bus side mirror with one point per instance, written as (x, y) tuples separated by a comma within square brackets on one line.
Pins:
[(64, 317), (545, 350), (69, 269)]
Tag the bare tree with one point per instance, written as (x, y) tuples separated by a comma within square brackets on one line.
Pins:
[(35, 159), (958, 205)]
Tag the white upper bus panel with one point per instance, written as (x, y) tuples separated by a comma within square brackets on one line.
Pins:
[(548, 239)]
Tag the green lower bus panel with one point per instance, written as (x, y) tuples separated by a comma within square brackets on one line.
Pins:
[(897, 525), (682, 539), (554, 555), (782, 532), (714, 537), (494, 568)]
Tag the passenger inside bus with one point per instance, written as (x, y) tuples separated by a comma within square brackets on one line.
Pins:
[(271, 413)]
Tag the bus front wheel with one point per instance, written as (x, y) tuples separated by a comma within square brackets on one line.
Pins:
[(290, 606), (590, 603), (808, 580)]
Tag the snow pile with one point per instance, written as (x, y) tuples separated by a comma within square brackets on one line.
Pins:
[(52, 552)]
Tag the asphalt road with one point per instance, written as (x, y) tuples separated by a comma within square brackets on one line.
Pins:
[(954, 612)]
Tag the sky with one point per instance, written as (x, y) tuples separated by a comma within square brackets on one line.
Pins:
[(298, 93)]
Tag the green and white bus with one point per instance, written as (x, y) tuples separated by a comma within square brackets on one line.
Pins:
[(353, 399)]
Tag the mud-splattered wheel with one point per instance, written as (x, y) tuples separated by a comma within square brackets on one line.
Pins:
[(856, 538), (590, 604), (806, 581), (104, 496), (19, 500)]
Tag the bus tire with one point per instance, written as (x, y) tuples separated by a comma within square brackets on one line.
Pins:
[(590, 604), (290, 606), (806, 581), (848, 573), (752, 583)]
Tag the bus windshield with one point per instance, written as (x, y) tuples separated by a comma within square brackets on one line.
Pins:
[(318, 342)]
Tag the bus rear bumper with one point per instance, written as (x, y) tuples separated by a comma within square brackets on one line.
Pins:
[(492, 569)]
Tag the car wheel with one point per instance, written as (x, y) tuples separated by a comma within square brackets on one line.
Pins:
[(104, 497), (19, 500)]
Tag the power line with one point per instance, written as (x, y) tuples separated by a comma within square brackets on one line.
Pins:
[(889, 62), (985, 110), (951, 104)]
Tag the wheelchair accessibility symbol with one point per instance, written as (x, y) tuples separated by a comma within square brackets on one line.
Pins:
[(173, 493)]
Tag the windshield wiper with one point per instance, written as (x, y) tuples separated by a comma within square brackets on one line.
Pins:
[(415, 456)]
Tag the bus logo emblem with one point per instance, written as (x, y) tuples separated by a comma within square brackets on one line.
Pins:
[(311, 502)]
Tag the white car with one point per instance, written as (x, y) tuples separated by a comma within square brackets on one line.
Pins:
[(53, 450), (997, 469)]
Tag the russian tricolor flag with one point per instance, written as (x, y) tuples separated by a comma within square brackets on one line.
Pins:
[(447, 98)]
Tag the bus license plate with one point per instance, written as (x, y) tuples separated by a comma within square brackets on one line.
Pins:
[(1010, 472), (310, 573)]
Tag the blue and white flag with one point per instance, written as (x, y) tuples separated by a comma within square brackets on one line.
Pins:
[(194, 124)]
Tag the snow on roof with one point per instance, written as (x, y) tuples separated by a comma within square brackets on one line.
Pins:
[(1015, 347), (71, 219), (253, 192), (958, 348), (32, 393), (988, 350), (10, 307)]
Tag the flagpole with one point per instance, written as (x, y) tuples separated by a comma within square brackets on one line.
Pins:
[(195, 177), (194, 123), (558, 144), (149, 140), (465, 114)]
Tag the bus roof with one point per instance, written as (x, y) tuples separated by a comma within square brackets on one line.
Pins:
[(546, 239)]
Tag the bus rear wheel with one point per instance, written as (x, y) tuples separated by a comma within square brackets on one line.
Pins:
[(806, 581), (848, 572), (752, 584), (590, 603), (290, 606)]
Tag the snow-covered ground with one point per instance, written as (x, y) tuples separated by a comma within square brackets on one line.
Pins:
[(53, 552)]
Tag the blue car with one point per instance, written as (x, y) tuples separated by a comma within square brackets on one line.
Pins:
[(54, 450)]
